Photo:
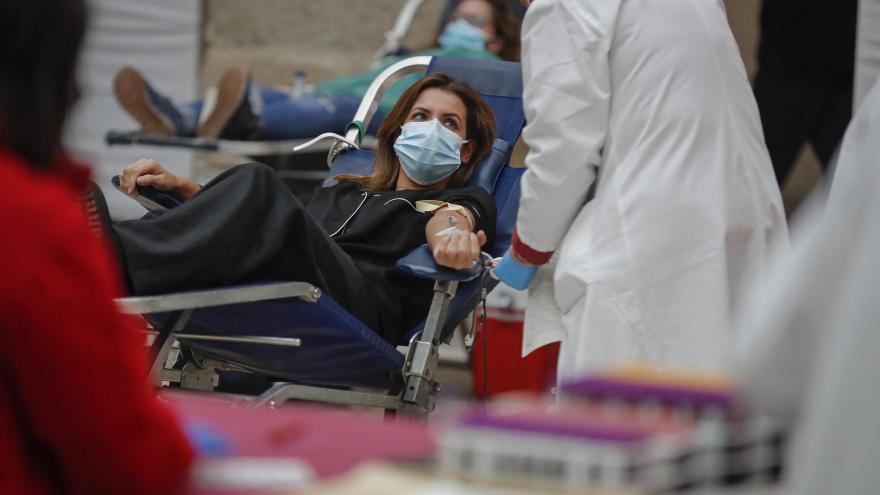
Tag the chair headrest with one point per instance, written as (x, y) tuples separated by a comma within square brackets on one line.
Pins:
[(499, 83), (494, 78), (486, 174), (357, 162)]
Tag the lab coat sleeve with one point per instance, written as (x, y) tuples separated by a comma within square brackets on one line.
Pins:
[(566, 100)]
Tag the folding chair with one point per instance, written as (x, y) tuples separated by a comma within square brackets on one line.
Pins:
[(290, 331)]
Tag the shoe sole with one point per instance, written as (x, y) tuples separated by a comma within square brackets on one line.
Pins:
[(132, 94), (230, 92), (96, 210)]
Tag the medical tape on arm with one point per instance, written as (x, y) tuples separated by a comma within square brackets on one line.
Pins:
[(434, 206)]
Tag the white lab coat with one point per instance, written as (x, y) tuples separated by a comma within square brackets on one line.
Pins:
[(809, 337), (648, 102)]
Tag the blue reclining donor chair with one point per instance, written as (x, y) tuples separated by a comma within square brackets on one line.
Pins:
[(314, 348)]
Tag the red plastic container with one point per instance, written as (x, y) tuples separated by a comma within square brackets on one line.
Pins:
[(507, 371)]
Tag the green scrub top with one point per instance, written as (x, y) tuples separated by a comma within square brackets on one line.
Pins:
[(356, 85)]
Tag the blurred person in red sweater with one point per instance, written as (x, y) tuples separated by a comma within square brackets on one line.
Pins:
[(76, 413)]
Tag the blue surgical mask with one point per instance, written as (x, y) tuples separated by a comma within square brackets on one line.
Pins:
[(428, 151), (462, 34)]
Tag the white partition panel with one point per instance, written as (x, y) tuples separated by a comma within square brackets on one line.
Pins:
[(867, 49), (161, 38)]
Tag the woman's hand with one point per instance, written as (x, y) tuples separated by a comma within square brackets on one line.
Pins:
[(148, 172), (460, 251)]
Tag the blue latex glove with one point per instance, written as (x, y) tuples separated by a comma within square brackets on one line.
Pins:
[(514, 273), (207, 441)]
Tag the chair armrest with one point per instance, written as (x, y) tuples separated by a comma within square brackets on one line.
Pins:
[(137, 137), (420, 263), (149, 197), (217, 297)]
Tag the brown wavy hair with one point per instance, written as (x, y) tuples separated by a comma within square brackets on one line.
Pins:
[(507, 27), (480, 130)]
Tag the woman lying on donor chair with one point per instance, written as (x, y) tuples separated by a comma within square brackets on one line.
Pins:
[(245, 225)]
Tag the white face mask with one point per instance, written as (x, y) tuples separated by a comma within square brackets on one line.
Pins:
[(462, 34), (428, 151)]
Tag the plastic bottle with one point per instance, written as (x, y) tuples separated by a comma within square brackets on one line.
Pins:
[(299, 84)]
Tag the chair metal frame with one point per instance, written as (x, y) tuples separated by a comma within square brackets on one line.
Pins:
[(416, 397), (395, 35)]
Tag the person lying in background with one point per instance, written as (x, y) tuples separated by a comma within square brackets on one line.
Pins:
[(478, 29), (245, 225), (76, 414)]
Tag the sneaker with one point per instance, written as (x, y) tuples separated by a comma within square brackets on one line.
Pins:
[(155, 113), (96, 210), (232, 116), (101, 226)]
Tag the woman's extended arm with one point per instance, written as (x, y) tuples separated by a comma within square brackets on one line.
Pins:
[(148, 172), (456, 246)]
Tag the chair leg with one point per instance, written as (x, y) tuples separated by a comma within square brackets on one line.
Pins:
[(200, 375), (276, 395), (282, 392), (164, 340), (422, 360), (414, 413)]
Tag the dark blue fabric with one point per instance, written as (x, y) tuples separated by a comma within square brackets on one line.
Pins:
[(337, 349), (487, 174), (507, 195), (499, 83), (495, 79), (283, 116), (358, 162), (509, 117), (307, 115), (420, 263)]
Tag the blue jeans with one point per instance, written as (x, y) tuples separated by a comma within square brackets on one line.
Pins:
[(283, 116)]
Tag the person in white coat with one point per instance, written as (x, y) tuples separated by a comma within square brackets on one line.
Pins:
[(647, 172), (808, 340)]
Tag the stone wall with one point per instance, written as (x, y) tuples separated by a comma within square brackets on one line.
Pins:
[(324, 38), (328, 38)]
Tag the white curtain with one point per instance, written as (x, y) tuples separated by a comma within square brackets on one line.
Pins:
[(161, 39), (867, 49)]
